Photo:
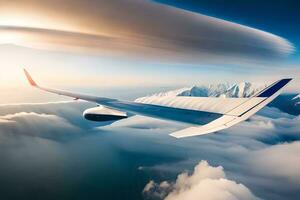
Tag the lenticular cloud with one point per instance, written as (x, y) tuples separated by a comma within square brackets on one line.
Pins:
[(134, 28)]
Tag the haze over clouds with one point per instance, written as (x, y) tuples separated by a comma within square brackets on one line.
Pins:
[(136, 28)]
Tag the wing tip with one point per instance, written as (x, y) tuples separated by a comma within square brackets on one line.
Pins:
[(175, 136), (29, 78), (275, 87)]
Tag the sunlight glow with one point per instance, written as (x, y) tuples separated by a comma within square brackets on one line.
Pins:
[(9, 37), (21, 21), (15, 19)]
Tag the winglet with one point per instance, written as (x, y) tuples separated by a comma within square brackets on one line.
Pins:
[(29, 78), (272, 89)]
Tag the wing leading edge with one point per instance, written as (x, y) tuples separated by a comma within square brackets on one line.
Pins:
[(195, 117), (213, 114)]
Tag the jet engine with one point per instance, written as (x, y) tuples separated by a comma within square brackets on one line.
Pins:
[(103, 114)]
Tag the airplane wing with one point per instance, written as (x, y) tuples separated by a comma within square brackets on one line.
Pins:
[(208, 113)]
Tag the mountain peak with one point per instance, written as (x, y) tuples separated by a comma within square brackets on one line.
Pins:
[(243, 89)]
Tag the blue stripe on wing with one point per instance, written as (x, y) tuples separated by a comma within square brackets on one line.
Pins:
[(274, 88)]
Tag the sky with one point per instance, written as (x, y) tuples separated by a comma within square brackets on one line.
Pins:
[(73, 45)]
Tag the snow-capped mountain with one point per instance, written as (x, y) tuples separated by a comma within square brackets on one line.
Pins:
[(243, 89), (206, 91), (289, 103)]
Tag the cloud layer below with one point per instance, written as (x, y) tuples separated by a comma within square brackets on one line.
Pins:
[(260, 156)]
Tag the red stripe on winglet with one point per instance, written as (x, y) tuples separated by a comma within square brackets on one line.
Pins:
[(30, 80)]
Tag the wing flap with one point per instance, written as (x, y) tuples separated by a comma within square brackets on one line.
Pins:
[(216, 125)]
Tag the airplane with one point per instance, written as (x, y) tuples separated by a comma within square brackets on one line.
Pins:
[(204, 114)]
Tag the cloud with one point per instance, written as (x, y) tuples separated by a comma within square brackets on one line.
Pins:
[(69, 110), (260, 156), (147, 123), (272, 171), (64, 151), (56, 121), (206, 182), (261, 153), (282, 127), (281, 161), (37, 125), (134, 28), (272, 112)]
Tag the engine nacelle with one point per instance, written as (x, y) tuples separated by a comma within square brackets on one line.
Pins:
[(103, 114)]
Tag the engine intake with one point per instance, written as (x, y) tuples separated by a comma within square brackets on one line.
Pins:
[(102, 114)]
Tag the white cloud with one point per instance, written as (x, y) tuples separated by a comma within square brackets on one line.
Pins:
[(281, 161), (37, 125), (254, 153), (262, 153), (148, 123), (206, 182)]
